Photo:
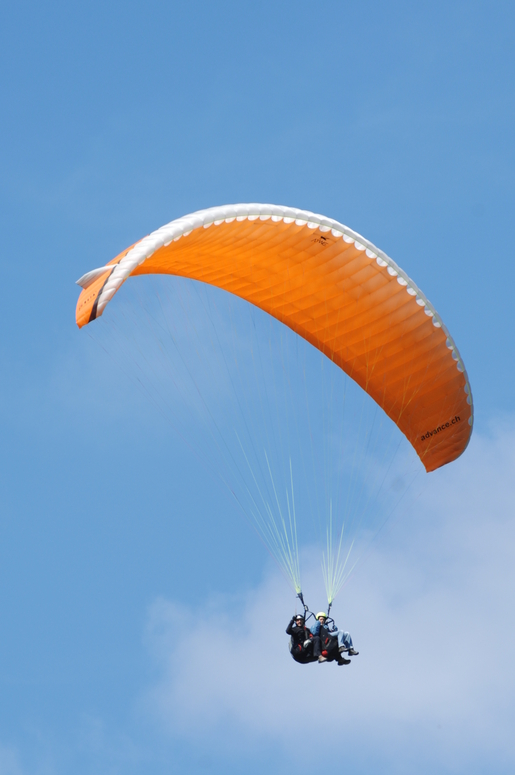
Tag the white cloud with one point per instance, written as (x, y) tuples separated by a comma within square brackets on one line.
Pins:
[(431, 612)]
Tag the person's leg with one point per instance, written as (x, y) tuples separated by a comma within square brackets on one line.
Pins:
[(345, 644), (317, 648), (344, 639)]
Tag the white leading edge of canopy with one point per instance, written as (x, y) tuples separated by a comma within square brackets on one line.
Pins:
[(214, 216)]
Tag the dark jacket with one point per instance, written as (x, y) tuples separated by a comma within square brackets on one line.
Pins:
[(298, 637)]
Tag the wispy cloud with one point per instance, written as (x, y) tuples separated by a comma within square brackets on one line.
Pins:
[(9, 762), (431, 612)]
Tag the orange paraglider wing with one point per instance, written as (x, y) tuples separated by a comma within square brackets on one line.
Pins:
[(333, 288)]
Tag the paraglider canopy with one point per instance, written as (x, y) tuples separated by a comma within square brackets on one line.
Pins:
[(332, 287)]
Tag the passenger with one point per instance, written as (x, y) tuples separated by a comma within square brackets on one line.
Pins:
[(305, 647), (344, 639)]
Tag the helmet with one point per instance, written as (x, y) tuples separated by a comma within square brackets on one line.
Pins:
[(322, 613), (298, 616)]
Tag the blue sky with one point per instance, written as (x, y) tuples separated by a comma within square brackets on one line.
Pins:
[(393, 118)]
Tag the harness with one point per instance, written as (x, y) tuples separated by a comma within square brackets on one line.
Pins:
[(307, 615)]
